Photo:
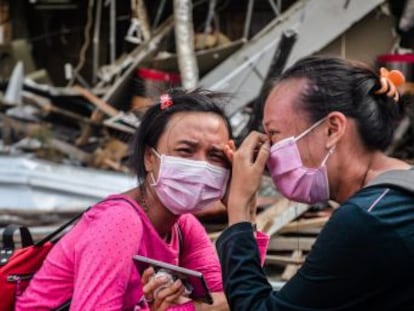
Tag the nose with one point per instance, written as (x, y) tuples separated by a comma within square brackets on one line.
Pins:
[(200, 155)]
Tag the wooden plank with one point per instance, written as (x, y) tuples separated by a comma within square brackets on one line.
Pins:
[(279, 243), (278, 215), (70, 151), (46, 105), (291, 269), (303, 224), (95, 100), (284, 260)]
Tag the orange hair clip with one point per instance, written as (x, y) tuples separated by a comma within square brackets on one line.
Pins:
[(390, 80)]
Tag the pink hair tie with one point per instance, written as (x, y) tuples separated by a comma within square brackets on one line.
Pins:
[(165, 101)]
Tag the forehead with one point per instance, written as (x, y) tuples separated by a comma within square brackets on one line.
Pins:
[(202, 127), (281, 109)]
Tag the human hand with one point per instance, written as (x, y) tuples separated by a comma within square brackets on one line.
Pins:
[(161, 291), (248, 165)]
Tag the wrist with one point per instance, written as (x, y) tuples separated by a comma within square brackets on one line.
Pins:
[(237, 213)]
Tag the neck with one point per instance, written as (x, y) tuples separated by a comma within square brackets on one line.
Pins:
[(364, 178), (352, 175), (160, 217)]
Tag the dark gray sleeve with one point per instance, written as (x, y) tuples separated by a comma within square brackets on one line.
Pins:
[(340, 271)]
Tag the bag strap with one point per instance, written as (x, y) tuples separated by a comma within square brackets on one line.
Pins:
[(401, 178), (8, 242), (51, 235), (66, 305)]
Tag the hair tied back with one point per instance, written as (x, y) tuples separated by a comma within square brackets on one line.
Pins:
[(389, 81)]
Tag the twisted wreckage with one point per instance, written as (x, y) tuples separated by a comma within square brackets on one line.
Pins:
[(63, 148)]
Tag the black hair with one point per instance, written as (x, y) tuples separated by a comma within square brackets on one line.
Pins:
[(336, 84), (155, 120)]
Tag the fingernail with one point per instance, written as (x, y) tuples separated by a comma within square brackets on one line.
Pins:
[(163, 278)]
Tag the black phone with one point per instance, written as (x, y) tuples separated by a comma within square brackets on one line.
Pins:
[(193, 280)]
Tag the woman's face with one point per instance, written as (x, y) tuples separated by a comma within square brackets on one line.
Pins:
[(283, 119), (197, 136)]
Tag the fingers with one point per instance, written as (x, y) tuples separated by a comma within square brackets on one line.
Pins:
[(148, 273), (167, 296), (263, 154), (152, 283), (254, 139), (160, 291), (254, 144)]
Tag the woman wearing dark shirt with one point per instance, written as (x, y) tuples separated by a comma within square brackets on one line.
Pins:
[(328, 122)]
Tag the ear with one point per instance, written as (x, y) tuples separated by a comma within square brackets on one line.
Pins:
[(337, 124), (149, 159)]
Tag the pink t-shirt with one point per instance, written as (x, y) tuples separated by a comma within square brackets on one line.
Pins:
[(92, 264)]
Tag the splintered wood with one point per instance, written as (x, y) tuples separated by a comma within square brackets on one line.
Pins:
[(279, 215), (292, 228)]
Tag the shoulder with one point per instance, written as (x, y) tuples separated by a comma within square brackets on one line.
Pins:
[(383, 192), (192, 228), (353, 219), (381, 198), (370, 222), (115, 211), (188, 222), (378, 209)]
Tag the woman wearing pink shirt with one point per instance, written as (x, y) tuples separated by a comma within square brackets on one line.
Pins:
[(178, 157)]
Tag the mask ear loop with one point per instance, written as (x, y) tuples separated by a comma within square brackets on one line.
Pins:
[(330, 151), (151, 174), (310, 129), (155, 152), (153, 182)]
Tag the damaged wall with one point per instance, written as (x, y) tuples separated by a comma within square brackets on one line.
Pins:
[(378, 27)]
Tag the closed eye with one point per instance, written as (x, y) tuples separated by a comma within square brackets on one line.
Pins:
[(219, 158), (185, 152), (273, 135)]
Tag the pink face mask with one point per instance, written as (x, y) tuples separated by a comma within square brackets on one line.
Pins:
[(295, 181), (187, 186)]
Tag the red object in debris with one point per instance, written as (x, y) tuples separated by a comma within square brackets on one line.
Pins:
[(157, 82), (157, 75), (402, 62)]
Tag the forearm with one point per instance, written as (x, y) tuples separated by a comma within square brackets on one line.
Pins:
[(245, 283), (241, 208), (220, 303)]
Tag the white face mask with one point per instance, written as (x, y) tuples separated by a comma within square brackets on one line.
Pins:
[(187, 186)]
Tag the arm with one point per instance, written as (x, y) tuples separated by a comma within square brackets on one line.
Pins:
[(103, 255), (329, 279), (171, 296), (199, 254), (248, 164)]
